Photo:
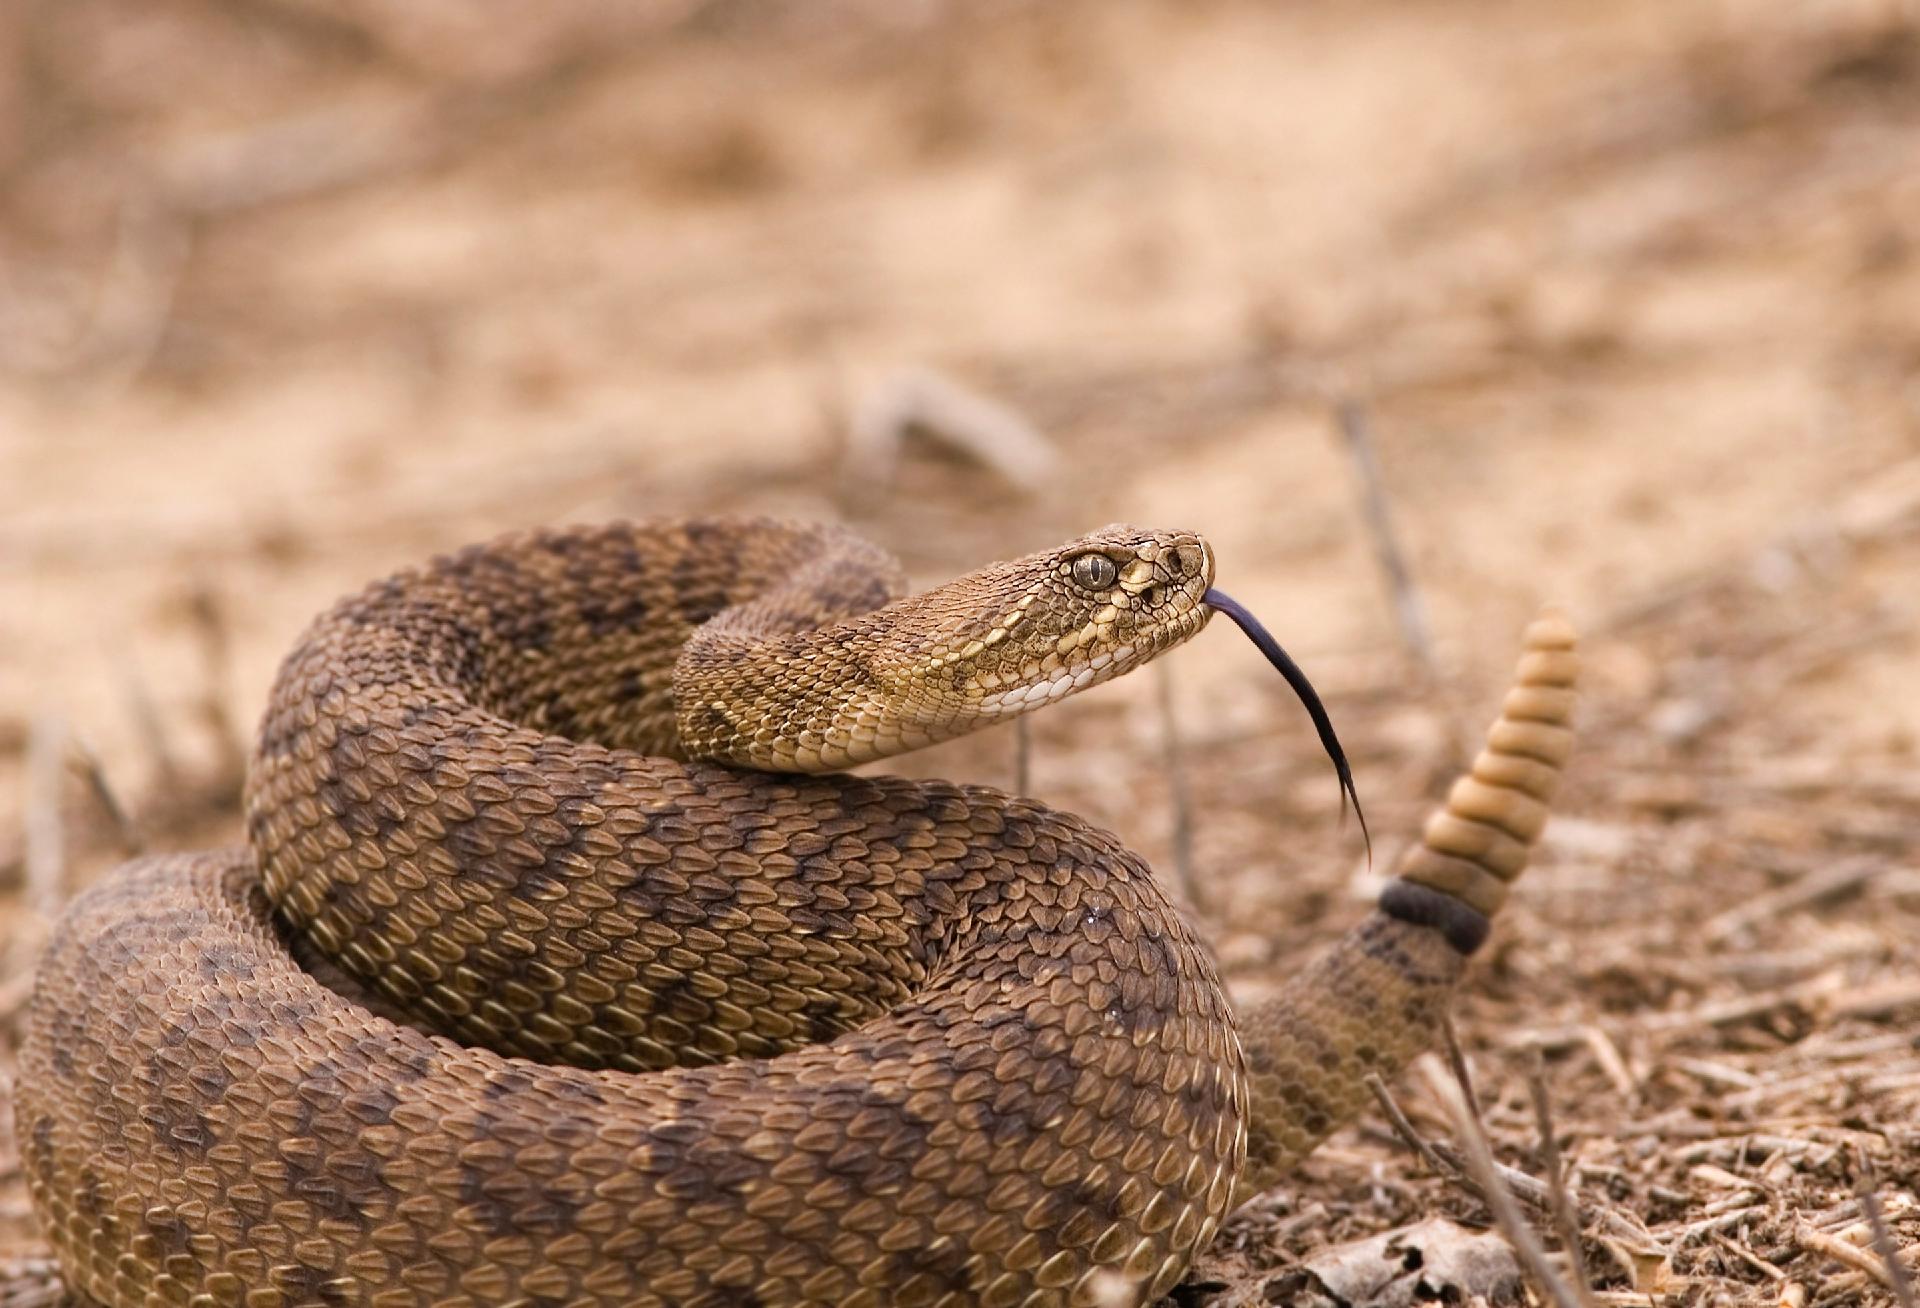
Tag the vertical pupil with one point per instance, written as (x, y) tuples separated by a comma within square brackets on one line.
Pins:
[(1093, 570)]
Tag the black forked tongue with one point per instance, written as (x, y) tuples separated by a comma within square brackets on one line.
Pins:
[(1323, 724)]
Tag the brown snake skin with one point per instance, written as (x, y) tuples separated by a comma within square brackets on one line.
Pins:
[(731, 1037)]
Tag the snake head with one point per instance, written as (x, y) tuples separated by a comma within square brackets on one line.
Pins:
[(769, 684), (1124, 585), (1112, 600), (1018, 635)]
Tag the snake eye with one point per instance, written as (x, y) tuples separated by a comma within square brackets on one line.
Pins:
[(1094, 572)]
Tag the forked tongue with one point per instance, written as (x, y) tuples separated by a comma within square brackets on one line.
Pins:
[(1310, 698)]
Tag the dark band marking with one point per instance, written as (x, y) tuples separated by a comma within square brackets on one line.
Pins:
[(1464, 926)]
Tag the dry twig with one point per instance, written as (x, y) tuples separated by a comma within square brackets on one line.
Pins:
[(1478, 1156), (1409, 608), (1448, 1163), (1895, 1277), (1818, 1242), (208, 616), (46, 842), (1457, 1063), (1813, 888), (1565, 1211), (126, 833), (1179, 794), (936, 406), (151, 728), (1749, 1257), (1418, 1143)]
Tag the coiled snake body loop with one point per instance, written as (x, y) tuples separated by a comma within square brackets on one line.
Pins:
[(510, 1001)]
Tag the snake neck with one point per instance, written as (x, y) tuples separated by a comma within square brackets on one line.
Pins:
[(791, 702)]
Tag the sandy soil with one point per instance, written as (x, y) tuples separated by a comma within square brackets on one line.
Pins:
[(1627, 293)]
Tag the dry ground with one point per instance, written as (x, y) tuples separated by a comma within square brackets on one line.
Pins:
[(1629, 292)]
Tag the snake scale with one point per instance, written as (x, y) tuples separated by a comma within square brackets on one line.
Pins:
[(562, 969)]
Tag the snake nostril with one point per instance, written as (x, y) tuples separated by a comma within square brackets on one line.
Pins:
[(1191, 558)]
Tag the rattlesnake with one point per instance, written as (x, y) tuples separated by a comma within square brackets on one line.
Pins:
[(705, 1035)]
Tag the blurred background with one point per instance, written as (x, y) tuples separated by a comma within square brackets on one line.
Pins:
[(1612, 304)]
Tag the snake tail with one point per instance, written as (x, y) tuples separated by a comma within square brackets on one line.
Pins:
[(1376, 1000)]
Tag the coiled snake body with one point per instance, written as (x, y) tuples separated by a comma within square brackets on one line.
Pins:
[(606, 1026)]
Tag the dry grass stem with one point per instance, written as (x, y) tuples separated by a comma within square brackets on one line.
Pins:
[(1749, 1257), (1851, 1255), (1607, 1054), (1447, 1162), (1824, 993), (1478, 1157), (922, 401), (1179, 793), (1457, 1063), (208, 616), (1409, 608), (46, 838), (126, 832), (15, 991), (150, 728), (1806, 892), (303, 153), (1566, 1210), (1894, 1272), (1418, 1143)]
